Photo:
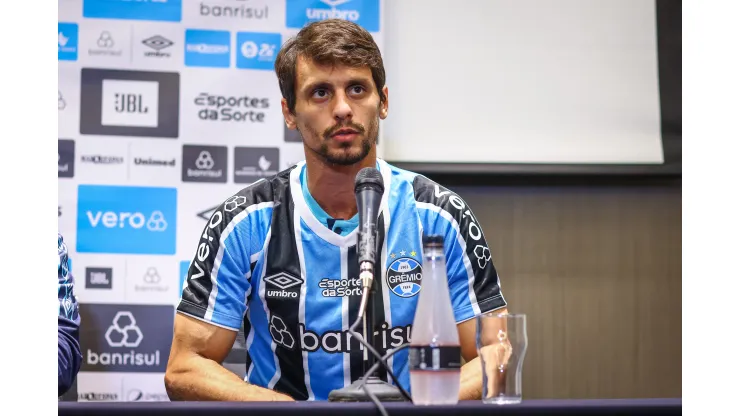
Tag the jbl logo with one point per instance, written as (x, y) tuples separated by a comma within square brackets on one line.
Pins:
[(130, 103), (98, 278)]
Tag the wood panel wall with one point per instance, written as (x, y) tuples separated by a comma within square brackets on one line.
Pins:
[(598, 272)]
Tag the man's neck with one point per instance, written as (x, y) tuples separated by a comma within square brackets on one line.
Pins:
[(333, 186)]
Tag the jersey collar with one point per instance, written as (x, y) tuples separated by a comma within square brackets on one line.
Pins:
[(314, 224)]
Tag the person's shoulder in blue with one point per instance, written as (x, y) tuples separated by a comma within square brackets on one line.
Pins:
[(70, 356)]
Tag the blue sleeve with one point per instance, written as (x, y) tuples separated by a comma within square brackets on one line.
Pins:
[(219, 278), (472, 277), (70, 356)]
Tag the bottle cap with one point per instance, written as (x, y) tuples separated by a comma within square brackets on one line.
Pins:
[(433, 241)]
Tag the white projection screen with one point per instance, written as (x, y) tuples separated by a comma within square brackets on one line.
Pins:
[(523, 85)]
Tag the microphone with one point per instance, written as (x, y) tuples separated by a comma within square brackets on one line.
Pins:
[(369, 190)]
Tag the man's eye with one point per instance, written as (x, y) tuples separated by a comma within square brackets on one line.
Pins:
[(357, 89), (320, 93)]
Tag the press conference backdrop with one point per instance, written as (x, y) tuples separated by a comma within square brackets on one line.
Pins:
[(165, 109), (168, 107)]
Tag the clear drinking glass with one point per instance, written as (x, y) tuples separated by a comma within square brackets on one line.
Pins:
[(501, 340)]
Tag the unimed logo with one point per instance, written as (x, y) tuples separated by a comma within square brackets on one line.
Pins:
[(126, 338), (126, 219)]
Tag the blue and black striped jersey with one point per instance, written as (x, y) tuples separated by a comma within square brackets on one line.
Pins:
[(265, 260), (68, 321)]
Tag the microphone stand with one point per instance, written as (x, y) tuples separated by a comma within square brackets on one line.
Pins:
[(368, 193), (382, 390)]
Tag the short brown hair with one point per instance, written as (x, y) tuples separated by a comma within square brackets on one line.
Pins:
[(330, 41)]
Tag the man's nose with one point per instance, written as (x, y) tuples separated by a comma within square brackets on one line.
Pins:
[(342, 110)]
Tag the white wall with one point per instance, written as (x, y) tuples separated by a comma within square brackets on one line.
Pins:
[(522, 81)]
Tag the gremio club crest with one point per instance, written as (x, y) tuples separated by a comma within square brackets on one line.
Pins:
[(404, 277)]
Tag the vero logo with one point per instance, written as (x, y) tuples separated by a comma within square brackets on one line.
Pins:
[(126, 219), (111, 219)]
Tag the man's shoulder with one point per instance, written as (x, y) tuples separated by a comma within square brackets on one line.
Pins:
[(263, 194), (399, 174), (425, 190), (269, 189)]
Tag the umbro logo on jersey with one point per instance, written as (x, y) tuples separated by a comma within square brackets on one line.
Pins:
[(283, 286)]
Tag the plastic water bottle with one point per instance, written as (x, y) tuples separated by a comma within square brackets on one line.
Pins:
[(434, 351)]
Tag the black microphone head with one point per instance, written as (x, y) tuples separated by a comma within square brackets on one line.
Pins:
[(369, 177), (369, 190)]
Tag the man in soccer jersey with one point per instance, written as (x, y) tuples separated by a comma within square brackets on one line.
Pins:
[(280, 258)]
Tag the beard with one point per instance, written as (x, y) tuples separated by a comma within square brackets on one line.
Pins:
[(346, 154)]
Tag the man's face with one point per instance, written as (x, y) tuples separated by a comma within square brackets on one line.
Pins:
[(337, 111)]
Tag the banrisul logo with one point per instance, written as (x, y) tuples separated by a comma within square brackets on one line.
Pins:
[(404, 277), (126, 338), (126, 219), (365, 13)]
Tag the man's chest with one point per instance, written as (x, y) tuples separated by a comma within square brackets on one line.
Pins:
[(318, 302), (307, 282)]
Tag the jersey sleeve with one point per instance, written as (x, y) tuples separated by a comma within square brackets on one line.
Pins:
[(218, 281), (472, 278), (68, 322)]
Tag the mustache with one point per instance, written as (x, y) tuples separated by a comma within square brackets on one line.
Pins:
[(331, 130)]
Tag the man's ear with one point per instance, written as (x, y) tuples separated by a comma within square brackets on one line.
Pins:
[(289, 118), (384, 104)]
